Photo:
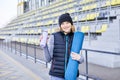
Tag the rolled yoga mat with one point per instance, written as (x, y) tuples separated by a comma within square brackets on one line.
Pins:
[(72, 67)]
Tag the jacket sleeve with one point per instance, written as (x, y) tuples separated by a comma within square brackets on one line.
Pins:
[(81, 60), (48, 49)]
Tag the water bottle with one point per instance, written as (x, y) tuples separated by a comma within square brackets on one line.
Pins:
[(44, 39)]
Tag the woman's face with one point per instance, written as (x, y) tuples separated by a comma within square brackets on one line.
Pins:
[(66, 27)]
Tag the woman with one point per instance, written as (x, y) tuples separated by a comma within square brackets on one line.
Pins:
[(58, 48)]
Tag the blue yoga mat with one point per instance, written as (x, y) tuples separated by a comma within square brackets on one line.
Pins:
[(72, 68)]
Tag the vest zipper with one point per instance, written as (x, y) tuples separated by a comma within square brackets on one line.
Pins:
[(66, 52)]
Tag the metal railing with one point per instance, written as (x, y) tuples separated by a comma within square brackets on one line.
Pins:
[(86, 61), (10, 45)]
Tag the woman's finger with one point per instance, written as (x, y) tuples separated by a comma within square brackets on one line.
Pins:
[(75, 56), (41, 37)]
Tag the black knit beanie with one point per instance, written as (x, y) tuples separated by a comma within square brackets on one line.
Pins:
[(65, 17)]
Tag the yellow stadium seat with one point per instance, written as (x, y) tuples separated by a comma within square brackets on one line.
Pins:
[(23, 40), (29, 40), (70, 0), (31, 32), (28, 31), (75, 18), (39, 31), (49, 31), (21, 3), (14, 39), (50, 22), (55, 30), (71, 10), (88, 17), (93, 16), (103, 28), (56, 21), (113, 2), (84, 18), (118, 2), (94, 6), (38, 24), (32, 41), (81, 2), (18, 40), (36, 41), (85, 29)]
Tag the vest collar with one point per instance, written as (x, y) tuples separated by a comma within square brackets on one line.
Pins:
[(69, 34)]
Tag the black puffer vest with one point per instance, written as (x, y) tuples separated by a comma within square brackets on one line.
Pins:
[(59, 53)]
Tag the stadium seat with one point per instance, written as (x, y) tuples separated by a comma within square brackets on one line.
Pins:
[(31, 41), (103, 28), (71, 11), (36, 41), (49, 31), (75, 18), (83, 17), (70, 0), (50, 22), (31, 31), (85, 29), (113, 2), (118, 2), (38, 24), (55, 29), (86, 1), (39, 31), (93, 16)]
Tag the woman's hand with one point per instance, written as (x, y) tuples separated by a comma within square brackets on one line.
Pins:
[(76, 56), (41, 37)]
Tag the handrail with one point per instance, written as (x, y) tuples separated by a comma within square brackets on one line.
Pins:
[(84, 49), (86, 61), (106, 52)]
